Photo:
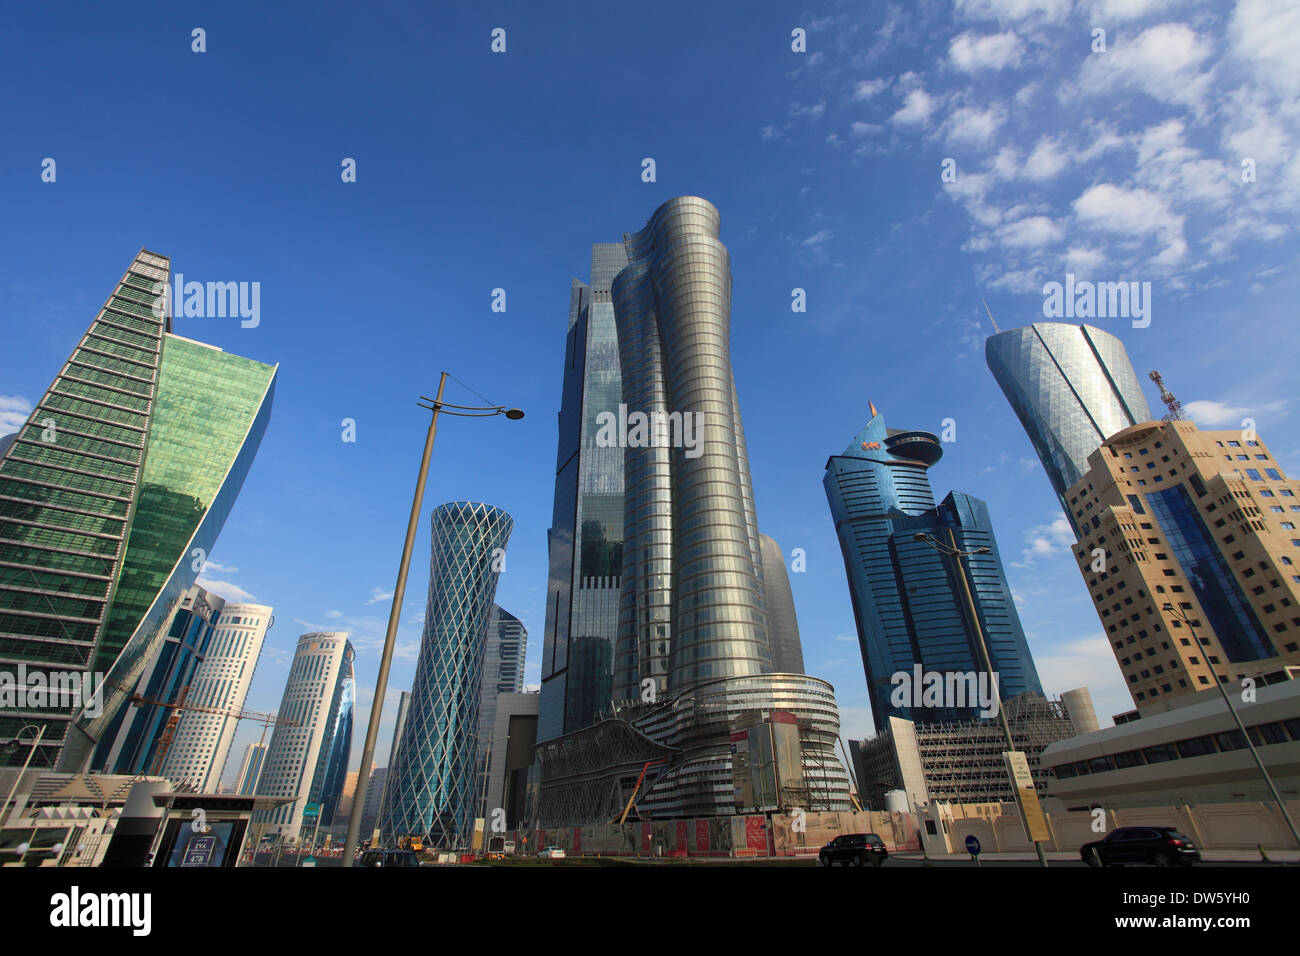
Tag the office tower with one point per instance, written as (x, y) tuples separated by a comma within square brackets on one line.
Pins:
[(201, 744), (403, 708), (585, 540), (430, 790), (1072, 387), (111, 497), (250, 769), (503, 673), (787, 651), (513, 735), (908, 600), (375, 793), (692, 601), (308, 753), (131, 743), (1205, 521)]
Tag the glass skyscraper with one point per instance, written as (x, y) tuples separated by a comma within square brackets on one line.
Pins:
[(503, 673), (906, 596), (692, 600), (586, 536), (1072, 387), (430, 787), (111, 496), (787, 651)]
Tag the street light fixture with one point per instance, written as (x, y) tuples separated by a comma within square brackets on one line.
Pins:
[(1182, 615), (437, 406), (950, 549)]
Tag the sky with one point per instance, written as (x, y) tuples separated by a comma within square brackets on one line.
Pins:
[(910, 163)]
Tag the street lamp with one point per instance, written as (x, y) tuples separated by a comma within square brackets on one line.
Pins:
[(437, 406), (17, 741), (951, 550), (1227, 699)]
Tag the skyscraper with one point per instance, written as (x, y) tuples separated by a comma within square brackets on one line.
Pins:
[(906, 596), (503, 673), (307, 756), (111, 497), (693, 660), (1205, 521), (787, 650), (430, 787), (1072, 387), (250, 769), (692, 598), (586, 536), (201, 745)]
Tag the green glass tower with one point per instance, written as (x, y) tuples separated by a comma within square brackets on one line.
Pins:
[(111, 497)]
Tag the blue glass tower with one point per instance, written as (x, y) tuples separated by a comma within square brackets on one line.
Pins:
[(336, 748), (907, 598), (430, 788)]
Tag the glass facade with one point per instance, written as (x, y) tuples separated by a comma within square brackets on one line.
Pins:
[(503, 673), (692, 605), (336, 747), (1072, 386), (787, 651), (907, 597), (131, 460), (430, 786), (586, 535)]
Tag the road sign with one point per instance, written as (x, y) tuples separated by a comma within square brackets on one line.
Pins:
[(199, 852), (311, 810), (1031, 811), (973, 845)]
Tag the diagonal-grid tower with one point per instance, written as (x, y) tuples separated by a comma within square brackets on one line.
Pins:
[(430, 789)]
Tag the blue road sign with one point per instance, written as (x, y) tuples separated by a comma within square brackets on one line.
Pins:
[(973, 845)]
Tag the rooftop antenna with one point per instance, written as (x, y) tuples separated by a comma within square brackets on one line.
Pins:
[(1175, 413), (991, 319)]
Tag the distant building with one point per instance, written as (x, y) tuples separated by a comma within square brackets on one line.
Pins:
[(250, 769), (513, 735), (1203, 521), (912, 618), (201, 746), (307, 758), (374, 800), (503, 673), (787, 650), (961, 762)]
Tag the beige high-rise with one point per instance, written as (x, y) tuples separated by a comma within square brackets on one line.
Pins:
[(1208, 522)]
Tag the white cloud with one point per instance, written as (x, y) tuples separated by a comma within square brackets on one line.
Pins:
[(866, 89), (1046, 540), (1088, 662), (995, 51), (818, 238), (225, 589), (14, 410), (1266, 35), (1004, 10), (1213, 414), (973, 126), (1163, 62), (1046, 160), (1030, 233), (379, 594), (917, 107), (1111, 10), (1133, 213), (333, 615)]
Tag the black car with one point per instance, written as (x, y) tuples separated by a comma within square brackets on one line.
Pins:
[(857, 849), (387, 858), (1159, 846)]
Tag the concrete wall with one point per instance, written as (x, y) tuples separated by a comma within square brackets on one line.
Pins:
[(1213, 826), (732, 836)]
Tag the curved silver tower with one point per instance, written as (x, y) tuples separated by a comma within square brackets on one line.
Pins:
[(787, 651), (692, 602), (1072, 387)]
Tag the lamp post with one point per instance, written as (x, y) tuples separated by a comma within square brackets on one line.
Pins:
[(1227, 699), (951, 550), (17, 740), (437, 406)]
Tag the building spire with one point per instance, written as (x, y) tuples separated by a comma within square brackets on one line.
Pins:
[(871, 406)]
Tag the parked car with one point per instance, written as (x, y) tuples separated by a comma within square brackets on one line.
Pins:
[(387, 858), (1159, 846), (857, 849), (552, 853)]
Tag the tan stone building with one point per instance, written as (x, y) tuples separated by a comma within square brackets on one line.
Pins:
[(1207, 523)]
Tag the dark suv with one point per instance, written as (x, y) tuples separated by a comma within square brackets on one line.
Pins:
[(1159, 846), (857, 849), (387, 858)]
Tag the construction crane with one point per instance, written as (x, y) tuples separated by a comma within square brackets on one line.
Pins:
[(635, 790), (1175, 413), (178, 705)]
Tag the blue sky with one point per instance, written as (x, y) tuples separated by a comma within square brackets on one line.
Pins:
[(478, 171)]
